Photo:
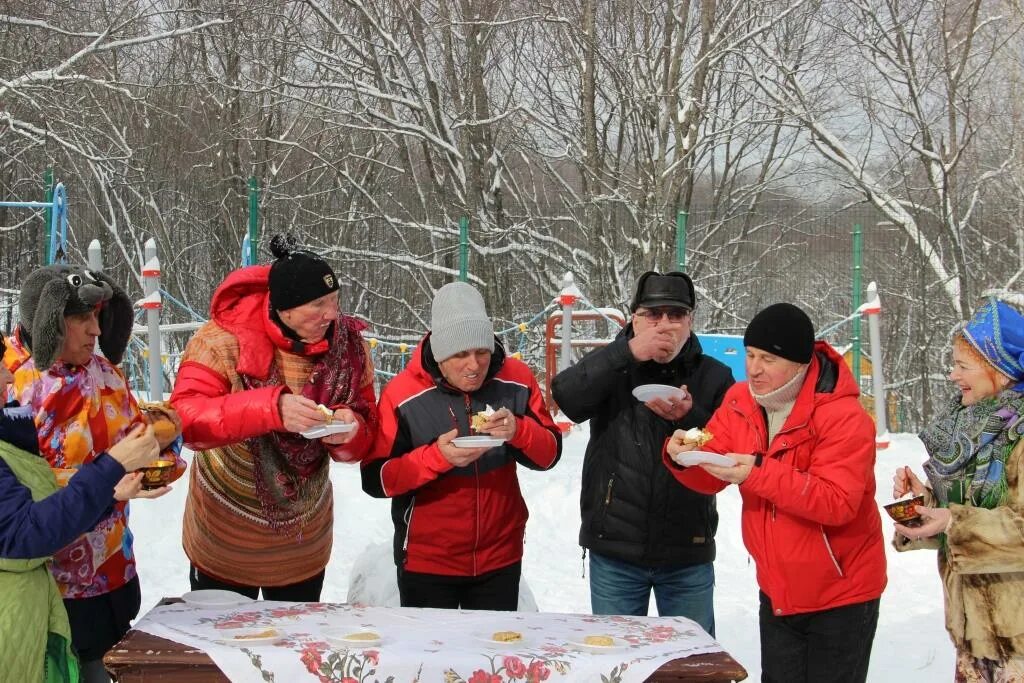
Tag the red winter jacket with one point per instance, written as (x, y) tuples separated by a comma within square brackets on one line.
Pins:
[(809, 515), (243, 340), (457, 521)]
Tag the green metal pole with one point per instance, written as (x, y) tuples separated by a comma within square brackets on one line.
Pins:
[(681, 217), (254, 217), (48, 216), (464, 249), (857, 249)]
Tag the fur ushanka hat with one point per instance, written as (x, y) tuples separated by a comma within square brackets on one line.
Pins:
[(52, 292)]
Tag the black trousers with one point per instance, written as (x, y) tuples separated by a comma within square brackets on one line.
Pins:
[(98, 623), (496, 590), (830, 646), (303, 591)]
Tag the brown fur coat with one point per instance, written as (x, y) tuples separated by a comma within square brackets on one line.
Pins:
[(982, 571)]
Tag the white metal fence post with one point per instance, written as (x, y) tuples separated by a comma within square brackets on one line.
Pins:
[(567, 297), (872, 308), (95, 252), (152, 304)]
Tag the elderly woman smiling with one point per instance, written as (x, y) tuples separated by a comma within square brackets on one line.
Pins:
[(974, 502)]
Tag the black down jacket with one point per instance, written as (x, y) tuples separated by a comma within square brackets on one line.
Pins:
[(632, 509)]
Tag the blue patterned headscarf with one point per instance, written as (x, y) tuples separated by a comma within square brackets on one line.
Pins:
[(968, 446), (997, 331)]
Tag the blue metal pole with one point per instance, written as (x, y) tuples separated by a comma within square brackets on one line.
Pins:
[(59, 226), (48, 185), (464, 249)]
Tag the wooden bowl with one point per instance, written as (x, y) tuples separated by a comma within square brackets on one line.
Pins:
[(157, 474), (905, 512)]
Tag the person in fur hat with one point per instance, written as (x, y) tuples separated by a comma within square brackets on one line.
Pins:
[(261, 388), (37, 519), (82, 406), (973, 500)]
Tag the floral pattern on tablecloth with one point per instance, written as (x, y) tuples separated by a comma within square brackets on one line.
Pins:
[(425, 645)]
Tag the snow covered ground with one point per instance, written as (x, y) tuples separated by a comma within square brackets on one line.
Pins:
[(911, 644)]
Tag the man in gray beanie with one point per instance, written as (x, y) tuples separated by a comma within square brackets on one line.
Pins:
[(459, 322), (455, 423)]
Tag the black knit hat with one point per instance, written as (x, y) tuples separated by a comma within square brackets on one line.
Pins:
[(783, 330), (670, 289), (297, 276)]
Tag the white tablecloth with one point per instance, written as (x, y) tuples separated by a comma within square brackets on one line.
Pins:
[(425, 644)]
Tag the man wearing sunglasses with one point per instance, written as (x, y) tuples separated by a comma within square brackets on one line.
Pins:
[(642, 531)]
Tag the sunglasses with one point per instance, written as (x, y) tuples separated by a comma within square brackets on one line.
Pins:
[(673, 313)]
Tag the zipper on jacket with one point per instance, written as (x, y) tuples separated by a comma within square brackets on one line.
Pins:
[(408, 525), (763, 438), (476, 488), (476, 521), (469, 411), (828, 547), (607, 503)]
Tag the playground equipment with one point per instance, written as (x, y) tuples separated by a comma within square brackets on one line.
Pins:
[(555, 362), (57, 227)]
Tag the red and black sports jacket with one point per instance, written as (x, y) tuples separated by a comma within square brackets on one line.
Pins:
[(457, 521)]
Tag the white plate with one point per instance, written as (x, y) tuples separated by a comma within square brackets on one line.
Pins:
[(691, 458), (618, 646), (648, 392), (488, 640), (339, 637), (214, 597), (477, 441), (326, 430), (231, 637)]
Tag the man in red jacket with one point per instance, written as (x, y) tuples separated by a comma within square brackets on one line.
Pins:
[(460, 518), (804, 453)]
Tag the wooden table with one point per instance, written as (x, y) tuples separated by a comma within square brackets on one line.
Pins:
[(142, 657)]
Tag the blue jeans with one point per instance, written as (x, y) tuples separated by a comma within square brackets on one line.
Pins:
[(618, 587)]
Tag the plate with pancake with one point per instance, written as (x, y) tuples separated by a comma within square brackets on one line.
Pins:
[(599, 643), (353, 637), (504, 639), (250, 637)]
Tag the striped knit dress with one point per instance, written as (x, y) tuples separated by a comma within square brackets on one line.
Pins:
[(225, 532)]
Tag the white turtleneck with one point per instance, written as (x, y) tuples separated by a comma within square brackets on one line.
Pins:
[(779, 403)]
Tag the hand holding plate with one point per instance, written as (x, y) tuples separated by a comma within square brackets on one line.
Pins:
[(343, 416), (737, 474), (459, 457), (672, 408)]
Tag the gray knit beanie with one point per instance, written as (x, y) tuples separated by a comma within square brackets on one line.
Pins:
[(458, 321)]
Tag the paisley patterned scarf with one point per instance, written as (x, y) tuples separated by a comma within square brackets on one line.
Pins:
[(968, 447), (289, 469)]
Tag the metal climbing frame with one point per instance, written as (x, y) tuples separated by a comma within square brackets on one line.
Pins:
[(56, 244)]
